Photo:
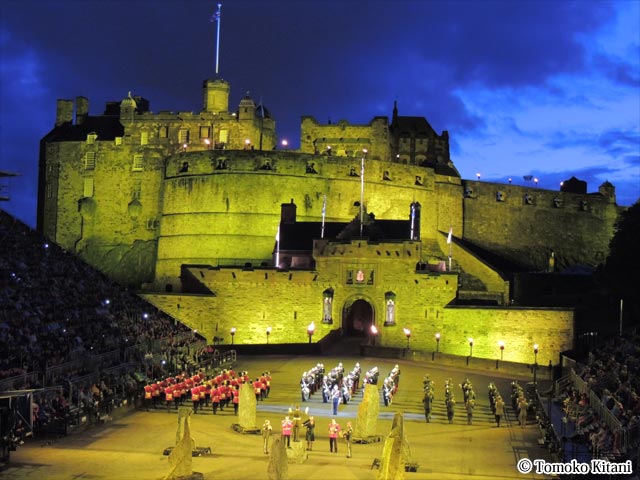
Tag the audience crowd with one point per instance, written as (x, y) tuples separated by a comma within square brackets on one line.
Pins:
[(611, 372), (64, 323)]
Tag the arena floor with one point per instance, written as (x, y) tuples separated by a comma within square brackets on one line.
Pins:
[(131, 446)]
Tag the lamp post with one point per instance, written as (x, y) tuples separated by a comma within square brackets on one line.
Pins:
[(268, 333), (207, 142), (501, 345), (374, 333), (233, 333), (284, 143), (470, 346), (310, 329), (407, 333), (438, 342), (478, 176), (535, 362)]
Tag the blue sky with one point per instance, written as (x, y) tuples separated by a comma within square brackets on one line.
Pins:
[(543, 88)]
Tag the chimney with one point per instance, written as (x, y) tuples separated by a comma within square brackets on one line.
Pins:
[(82, 109), (64, 112), (288, 212)]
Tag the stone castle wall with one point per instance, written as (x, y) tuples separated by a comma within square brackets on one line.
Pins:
[(221, 216), (247, 304), (346, 139), (577, 227)]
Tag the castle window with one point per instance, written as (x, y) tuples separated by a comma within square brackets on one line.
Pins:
[(137, 191), (118, 141), (163, 132), (500, 197), (205, 132), (152, 224), (91, 138), (87, 188), (528, 199), (144, 138), (90, 160), (138, 163), (183, 136), (49, 190), (224, 136)]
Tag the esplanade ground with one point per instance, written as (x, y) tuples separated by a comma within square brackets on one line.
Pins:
[(131, 445)]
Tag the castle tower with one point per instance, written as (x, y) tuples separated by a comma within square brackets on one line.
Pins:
[(127, 109), (247, 108), (216, 95), (608, 190)]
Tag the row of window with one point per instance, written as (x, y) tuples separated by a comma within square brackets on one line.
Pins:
[(529, 199), (184, 135), (90, 162)]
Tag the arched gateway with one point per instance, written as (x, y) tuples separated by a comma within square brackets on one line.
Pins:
[(357, 317)]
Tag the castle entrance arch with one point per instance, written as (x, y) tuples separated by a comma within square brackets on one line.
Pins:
[(357, 317)]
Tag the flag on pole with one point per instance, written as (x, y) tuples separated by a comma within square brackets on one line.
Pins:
[(450, 235), (216, 16)]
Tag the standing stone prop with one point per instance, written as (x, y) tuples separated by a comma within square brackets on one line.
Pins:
[(278, 468), (180, 457), (367, 419), (247, 408), (396, 453), (297, 453)]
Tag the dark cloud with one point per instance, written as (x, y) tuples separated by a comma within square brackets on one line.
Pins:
[(330, 59), (616, 143)]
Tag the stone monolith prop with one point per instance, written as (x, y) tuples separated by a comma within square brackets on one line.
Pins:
[(180, 457), (247, 407), (395, 453), (278, 468), (367, 419)]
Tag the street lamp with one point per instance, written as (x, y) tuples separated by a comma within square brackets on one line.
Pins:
[(501, 345), (268, 333), (310, 329), (207, 142), (438, 342), (247, 144), (407, 333), (470, 346), (285, 143), (535, 362), (233, 333), (374, 333), (478, 176)]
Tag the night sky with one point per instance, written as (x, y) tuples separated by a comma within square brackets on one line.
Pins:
[(542, 88)]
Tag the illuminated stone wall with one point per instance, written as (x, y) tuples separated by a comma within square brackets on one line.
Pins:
[(346, 139), (578, 230), (230, 216), (251, 303)]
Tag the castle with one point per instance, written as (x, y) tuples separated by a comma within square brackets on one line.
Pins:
[(220, 226)]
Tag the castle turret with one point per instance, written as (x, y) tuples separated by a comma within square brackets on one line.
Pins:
[(216, 96), (608, 190), (64, 112), (247, 108), (127, 109)]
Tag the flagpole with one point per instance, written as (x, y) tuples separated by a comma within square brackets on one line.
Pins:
[(278, 247), (324, 214), (413, 215), (219, 19), (364, 154), (450, 241)]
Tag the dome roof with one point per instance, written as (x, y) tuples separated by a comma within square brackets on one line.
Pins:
[(129, 102)]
